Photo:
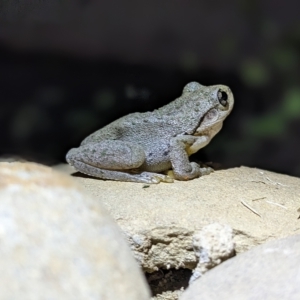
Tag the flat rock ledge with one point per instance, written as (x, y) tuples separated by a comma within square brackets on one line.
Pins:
[(160, 220)]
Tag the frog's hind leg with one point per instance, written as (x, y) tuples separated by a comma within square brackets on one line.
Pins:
[(114, 160), (142, 177)]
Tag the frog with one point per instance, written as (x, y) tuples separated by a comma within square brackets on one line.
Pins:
[(143, 146)]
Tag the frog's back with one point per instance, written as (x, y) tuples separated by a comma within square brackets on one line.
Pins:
[(178, 117), (142, 128)]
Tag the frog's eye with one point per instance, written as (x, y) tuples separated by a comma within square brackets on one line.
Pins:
[(222, 97)]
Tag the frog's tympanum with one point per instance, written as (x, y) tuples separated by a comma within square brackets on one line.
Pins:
[(139, 146)]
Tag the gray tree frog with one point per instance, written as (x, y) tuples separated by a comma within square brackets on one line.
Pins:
[(138, 146)]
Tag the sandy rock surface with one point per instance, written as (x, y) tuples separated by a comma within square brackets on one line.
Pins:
[(180, 208), (57, 242), (161, 220), (269, 271)]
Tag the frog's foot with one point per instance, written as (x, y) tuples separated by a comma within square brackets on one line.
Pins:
[(149, 177), (205, 170), (194, 172)]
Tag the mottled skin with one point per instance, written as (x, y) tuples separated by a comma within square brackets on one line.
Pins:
[(137, 146)]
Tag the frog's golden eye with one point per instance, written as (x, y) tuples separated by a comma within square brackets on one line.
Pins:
[(222, 97)]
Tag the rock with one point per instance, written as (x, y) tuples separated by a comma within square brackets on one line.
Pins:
[(57, 242), (163, 248), (160, 220), (183, 207), (213, 244), (168, 295), (269, 271)]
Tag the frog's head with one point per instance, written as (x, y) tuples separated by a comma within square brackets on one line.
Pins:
[(213, 102)]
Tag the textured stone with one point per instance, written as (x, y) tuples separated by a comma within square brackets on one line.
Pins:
[(160, 220), (153, 215), (57, 242), (213, 244)]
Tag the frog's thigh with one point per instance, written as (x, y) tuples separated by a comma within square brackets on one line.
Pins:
[(108, 155)]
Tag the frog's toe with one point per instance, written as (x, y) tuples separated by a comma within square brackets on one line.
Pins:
[(155, 177), (163, 178), (206, 170)]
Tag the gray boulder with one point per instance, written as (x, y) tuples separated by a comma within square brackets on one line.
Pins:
[(57, 242), (270, 271)]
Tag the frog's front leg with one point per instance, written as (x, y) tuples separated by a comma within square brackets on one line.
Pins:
[(180, 149), (114, 160)]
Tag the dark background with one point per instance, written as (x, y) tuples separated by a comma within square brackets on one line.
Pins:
[(68, 68)]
